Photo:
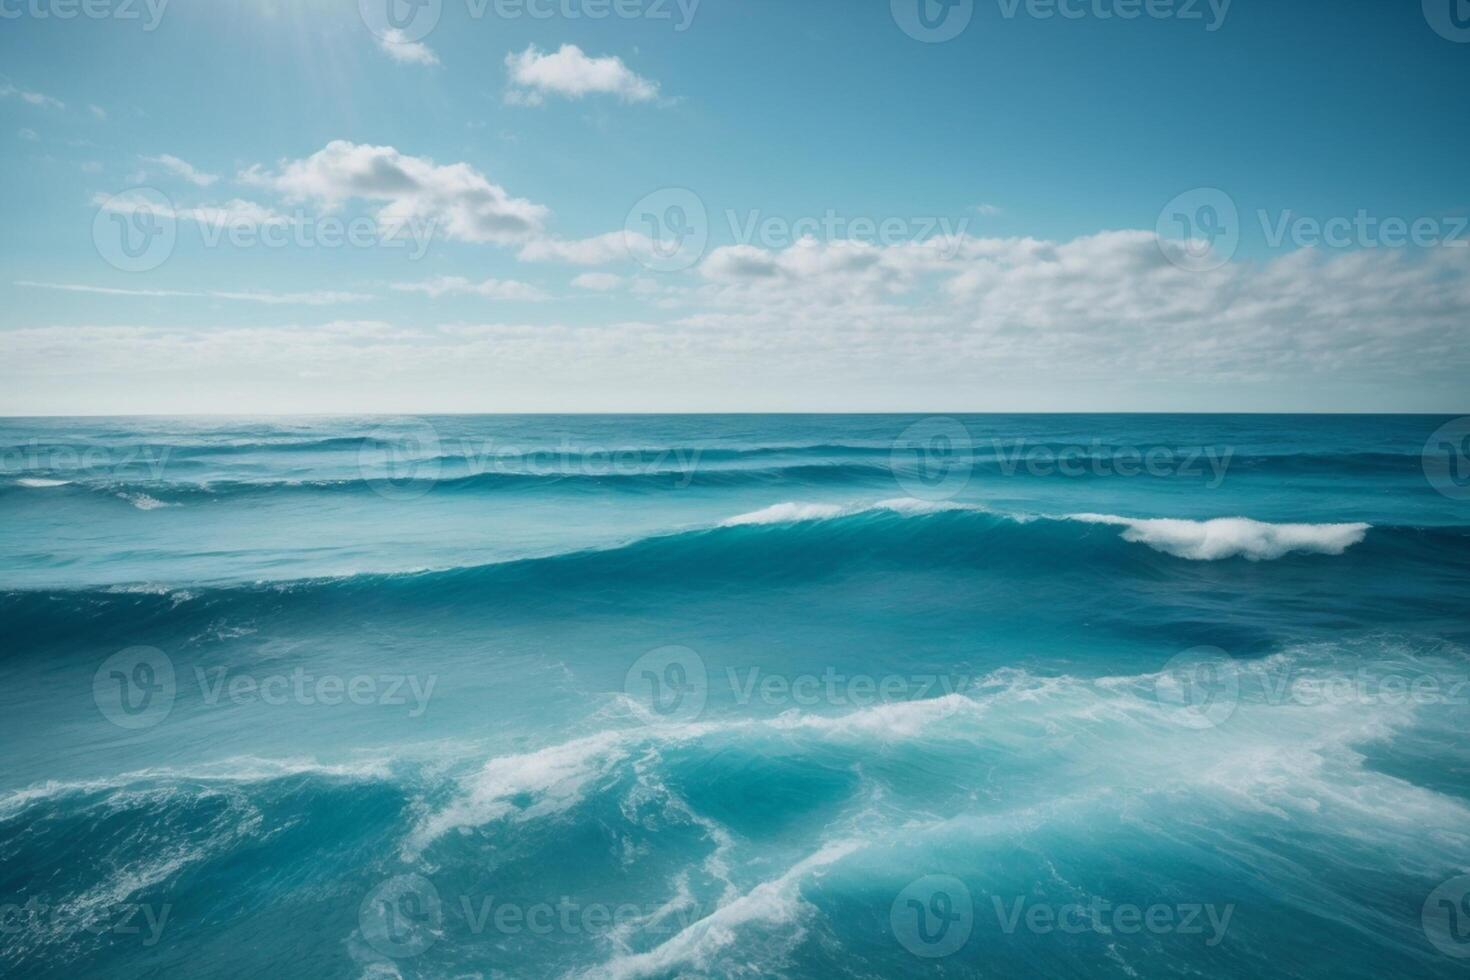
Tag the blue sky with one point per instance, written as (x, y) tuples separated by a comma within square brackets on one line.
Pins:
[(887, 224)]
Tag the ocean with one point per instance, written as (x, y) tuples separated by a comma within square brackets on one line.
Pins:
[(735, 696)]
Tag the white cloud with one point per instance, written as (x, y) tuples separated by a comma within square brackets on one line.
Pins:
[(456, 198), (29, 135), (598, 281), (1104, 306), (97, 111), (614, 246), (989, 210), (401, 49), (182, 168), (1101, 320), (314, 298), (32, 98), (507, 289), (570, 73)]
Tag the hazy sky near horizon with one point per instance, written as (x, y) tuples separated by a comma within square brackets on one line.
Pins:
[(705, 205)]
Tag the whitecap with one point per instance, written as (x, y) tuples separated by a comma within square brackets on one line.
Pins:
[(1230, 537)]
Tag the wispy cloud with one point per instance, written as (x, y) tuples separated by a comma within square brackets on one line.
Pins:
[(182, 168), (33, 98), (508, 289), (313, 298)]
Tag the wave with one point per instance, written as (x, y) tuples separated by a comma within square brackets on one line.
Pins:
[(786, 543), (177, 492)]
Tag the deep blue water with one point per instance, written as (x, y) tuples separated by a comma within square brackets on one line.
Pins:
[(804, 696)]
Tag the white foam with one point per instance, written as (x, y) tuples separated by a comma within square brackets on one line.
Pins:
[(890, 720), (40, 482), (787, 513), (144, 502), (792, 512), (774, 903), (554, 776), (239, 770), (1229, 537)]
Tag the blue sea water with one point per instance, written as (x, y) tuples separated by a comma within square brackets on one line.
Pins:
[(735, 696)]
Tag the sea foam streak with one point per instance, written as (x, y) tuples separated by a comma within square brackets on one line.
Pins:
[(773, 902), (792, 512), (1229, 537)]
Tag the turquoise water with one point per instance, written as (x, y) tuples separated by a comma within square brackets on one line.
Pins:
[(805, 696)]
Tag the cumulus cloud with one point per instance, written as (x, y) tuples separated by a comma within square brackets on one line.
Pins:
[(182, 168), (570, 73), (1002, 323), (455, 198), (507, 289), (1106, 303), (398, 46)]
